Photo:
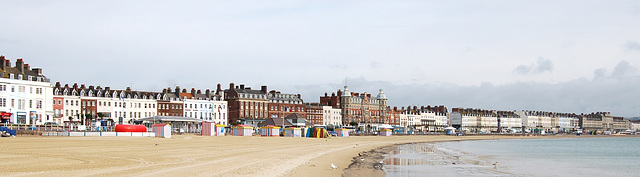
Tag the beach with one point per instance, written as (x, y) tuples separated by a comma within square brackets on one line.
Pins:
[(193, 155)]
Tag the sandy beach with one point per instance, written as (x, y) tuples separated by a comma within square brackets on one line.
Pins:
[(192, 155)]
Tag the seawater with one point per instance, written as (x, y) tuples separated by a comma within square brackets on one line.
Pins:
[(518, 157)]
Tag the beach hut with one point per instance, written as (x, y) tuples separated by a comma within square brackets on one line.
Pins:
[(385, 132), (342, 132), (208, 129), (220, 129), (319, 133), (270, 131), (162, 130), (242, 130), (293, 132)]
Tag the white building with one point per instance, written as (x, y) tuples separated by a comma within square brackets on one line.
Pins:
[(331, 116), (205, 106), (25, 94)]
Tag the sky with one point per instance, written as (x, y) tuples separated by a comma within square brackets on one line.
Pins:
[(558, 56)]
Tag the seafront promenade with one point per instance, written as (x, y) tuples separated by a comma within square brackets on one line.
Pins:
[(192, 155)]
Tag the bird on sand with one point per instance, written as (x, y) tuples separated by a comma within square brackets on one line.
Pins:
[(495, 165), (334, 166), (361, 158)]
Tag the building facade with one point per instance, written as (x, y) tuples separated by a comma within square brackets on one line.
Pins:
[(25, 94), (246, 106), (282, 105), (360, 108)]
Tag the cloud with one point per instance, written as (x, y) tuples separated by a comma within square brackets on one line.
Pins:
[(620, 71), (624, 69), (541, 66), (599, 73), (523, 70), (631, 45)]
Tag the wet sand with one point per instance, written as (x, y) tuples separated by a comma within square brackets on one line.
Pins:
[(192, 155)]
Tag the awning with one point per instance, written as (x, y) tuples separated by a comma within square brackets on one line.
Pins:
[(169, 119), (5, 115)]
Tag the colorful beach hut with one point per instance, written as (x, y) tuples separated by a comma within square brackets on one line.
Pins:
[(385, 132), (242, 130), (220, 129), (162, 130), (342, 132), (293, 132), (319, 133), (270, 130), (208, 129)]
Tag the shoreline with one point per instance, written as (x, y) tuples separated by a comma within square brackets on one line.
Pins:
[(194, 155), (372, 164)]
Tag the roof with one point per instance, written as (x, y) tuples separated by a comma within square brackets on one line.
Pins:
[(294, 116), (275, 122)]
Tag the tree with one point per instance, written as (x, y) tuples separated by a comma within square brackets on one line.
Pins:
[(353, 123), (88, 118)]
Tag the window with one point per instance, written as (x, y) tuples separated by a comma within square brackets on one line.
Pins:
[(30, 103), (3, 87), (3, 102), (39, 105)]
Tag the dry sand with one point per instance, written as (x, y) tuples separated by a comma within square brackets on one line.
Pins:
[(192, 155)]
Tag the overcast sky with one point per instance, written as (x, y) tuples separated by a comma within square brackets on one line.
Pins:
[(561, 56)]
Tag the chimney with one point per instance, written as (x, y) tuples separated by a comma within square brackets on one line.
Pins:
[(20, 65), (66, 85), (91, 87), (299, 96), (128, 89), (169, 90), (164, 90), (38, 71), (263, 89), (57, 84), (241, 86), (82, 86), (177, 91), (107, 88), (218, 88), (231, 86), (193, 92), (27, 67), (184, 90), (3, 63), (208, 93)]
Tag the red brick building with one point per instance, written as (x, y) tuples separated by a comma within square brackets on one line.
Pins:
[(246, 106), (314, 113), (281, 105)]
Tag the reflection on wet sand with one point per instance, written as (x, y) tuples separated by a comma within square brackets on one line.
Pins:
[(428, 159)]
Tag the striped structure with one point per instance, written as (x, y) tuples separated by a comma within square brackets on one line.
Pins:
[(270, 130), (342, 132), (208, 129), (292, 132), (220, 130), (162, 130), (385, 132), (242, 130), (319, 133)]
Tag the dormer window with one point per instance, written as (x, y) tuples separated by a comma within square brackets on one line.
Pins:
[(19, 77)]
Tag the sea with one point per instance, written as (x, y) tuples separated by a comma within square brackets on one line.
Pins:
[(610, 156)]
